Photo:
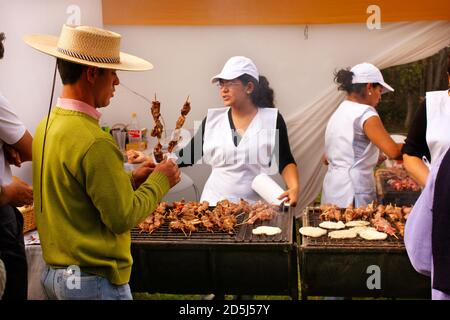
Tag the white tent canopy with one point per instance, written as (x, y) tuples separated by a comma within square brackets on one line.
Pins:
[(298, 60)]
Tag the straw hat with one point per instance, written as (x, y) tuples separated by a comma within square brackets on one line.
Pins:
[(88, 46)]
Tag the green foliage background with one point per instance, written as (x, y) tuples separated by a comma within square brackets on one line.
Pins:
[(411, 81)]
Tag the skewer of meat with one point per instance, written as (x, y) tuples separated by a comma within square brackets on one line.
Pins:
[(157, 129), (180, 122), (383, 225), (155, 220), (156, 114)]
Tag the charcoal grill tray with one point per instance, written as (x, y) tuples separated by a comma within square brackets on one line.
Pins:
[(204, 262), (339, 267), (242, 234), (311, 218), (388, 195)]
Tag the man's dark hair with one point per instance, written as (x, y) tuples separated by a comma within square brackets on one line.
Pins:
[(70, 72), (2, 49)]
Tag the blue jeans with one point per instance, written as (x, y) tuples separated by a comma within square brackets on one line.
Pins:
[(62, 284)]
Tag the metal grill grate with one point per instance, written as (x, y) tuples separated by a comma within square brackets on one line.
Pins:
[(242, 234), (311, 218)]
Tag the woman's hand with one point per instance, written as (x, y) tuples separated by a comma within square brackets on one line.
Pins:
[(292, 196)]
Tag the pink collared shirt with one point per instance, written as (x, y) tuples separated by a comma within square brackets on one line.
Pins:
[(80, 106)]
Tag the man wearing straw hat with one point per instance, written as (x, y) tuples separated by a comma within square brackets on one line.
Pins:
[(15, 148), (85, 203)]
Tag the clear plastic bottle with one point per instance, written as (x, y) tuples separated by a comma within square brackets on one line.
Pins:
[(134, 130)]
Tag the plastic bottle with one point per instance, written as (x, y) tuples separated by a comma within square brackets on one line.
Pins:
[(105, 126), (134, 130)]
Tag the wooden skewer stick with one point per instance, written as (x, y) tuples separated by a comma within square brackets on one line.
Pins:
[(240, 214), (243, 222)]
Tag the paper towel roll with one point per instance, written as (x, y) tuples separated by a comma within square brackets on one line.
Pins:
[(267, 188)]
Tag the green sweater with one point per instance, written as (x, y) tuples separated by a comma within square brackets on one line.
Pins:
[(89, 204)]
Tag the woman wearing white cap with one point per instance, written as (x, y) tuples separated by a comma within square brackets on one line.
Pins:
[(240, 140), (429, 135), (354, 136)]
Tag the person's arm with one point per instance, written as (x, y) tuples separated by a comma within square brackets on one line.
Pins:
[(14, 133), (416, 148), (375, 131), (193, 151), (20, 151), (287, 166), (291, 178), (416, 168), (110, 190)]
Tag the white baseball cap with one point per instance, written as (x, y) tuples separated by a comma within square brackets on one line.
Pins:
[(236, 67), (368, 73)]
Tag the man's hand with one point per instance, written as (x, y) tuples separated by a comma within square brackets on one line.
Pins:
[(12, 155), (142, 172), (16, 194), (170, 170)]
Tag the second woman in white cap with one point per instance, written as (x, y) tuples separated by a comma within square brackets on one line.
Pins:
[(243, 139), (354, 136)]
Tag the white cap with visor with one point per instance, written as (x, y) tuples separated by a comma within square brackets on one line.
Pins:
[(236, 67), (368, 73)]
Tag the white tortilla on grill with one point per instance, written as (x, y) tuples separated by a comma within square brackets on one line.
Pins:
[(357, 223), (269, 231), (332, 225), (312, 231), (343, 234), (358, 230), (372, 234)]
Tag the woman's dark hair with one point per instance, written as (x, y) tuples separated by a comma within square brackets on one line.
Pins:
[(262, 95), (2, 49), (344, 78), (448, 66)]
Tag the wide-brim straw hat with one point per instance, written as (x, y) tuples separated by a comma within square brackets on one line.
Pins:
[(88, 46)]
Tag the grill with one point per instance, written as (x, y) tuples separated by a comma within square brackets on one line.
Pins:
[(204, 262), (386, 194), (312, 219), (356, 267), (241, 235)]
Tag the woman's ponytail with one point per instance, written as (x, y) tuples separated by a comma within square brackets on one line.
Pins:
[(262, 95), (344, 78)]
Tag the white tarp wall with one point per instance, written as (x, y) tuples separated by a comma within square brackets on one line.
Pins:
[(299, 67), (26, 75), (298, 61)]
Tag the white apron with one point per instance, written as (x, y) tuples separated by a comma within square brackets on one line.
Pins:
[(235, 167), (438, 123), (351, 157)]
